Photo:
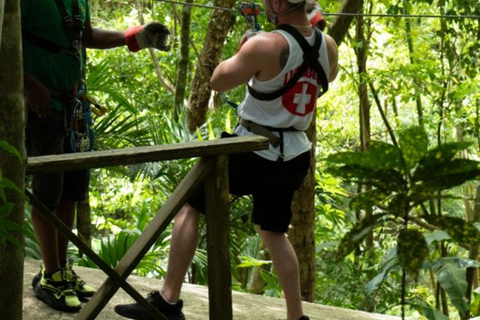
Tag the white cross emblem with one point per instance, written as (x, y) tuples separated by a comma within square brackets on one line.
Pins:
[(302, 99)]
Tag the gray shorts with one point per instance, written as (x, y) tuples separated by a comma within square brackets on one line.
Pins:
[(47, 137)]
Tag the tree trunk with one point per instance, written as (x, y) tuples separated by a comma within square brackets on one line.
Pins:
[(418, 98), (12, 123), (218, 28), (183, 60), (2, 6), (302, 233), (340, 26)]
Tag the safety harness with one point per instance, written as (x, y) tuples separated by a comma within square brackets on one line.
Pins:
[(310, 60), (72, 25), (78, 105)]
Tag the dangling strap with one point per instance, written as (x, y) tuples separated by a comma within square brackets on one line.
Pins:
[(310, 60)]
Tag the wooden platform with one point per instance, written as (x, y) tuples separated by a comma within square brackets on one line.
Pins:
[(245, 306)]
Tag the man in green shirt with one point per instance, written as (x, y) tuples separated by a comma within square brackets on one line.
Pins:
[(54, 32)]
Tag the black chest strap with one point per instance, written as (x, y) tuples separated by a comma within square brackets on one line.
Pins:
[(310, 60)]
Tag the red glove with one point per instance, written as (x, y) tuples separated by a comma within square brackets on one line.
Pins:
[(151, 35), (250, 33), (315, 17)]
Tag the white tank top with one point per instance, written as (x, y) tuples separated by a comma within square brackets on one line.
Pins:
[(293, 109)]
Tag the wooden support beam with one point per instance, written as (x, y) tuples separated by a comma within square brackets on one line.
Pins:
[(147, 239), (107, 158), (218, 231)]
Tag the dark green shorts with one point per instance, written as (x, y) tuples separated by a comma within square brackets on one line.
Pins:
[(46, 137)]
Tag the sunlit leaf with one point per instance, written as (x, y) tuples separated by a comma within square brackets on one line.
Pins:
[(414, 143)]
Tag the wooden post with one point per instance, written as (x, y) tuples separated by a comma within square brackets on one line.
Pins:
[(218, 230)]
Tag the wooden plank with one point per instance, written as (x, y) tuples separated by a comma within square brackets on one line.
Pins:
[(147, 239), (60, 226), (106, 158), (218, 231)]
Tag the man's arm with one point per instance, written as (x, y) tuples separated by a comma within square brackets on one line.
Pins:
[(241, 67), (96, 38), (152, 35), (332, 51)]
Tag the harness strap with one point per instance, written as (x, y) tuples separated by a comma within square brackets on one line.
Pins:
[(310, 60), (310, 53), (48, 45), (266, 132)]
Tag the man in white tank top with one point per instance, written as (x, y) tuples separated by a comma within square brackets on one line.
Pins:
[(266, 62)]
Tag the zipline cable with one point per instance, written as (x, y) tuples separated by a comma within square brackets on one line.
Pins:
[(380, 15)]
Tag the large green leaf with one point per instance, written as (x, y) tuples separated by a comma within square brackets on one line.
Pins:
[(8, 147), (452, 279), (387, 180), (436, 235), (350, 158), (460, 230), (367, 199), (411, 260), (449, 175), (398, 205), (413, 143), (436, 158), (381, 156), (384, 155), (356, 235)]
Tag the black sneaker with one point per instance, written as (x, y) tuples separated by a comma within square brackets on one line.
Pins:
[(56, 292), (136, 311), (304, 318)]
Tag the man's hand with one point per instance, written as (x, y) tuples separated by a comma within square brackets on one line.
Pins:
[(37, 97), (151, 35)]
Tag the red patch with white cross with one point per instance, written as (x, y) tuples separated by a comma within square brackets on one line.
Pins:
[(301, 98)]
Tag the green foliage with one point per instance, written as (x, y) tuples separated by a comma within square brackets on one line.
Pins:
[(410, 175), (356, 235), (112, 249), (411, 260), (451, 276), (460, 230)]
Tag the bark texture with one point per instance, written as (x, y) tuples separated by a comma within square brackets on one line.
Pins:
[(183, 60), (339, 27), (12, 123), (218, 28)]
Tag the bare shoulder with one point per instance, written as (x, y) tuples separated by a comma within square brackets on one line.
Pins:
[(332, 51)]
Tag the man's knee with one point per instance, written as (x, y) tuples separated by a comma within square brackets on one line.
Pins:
[(270, 237)]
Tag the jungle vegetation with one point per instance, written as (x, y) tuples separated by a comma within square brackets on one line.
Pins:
[(397, 146)]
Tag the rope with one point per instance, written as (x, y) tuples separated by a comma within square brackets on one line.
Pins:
[(380, 15)]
